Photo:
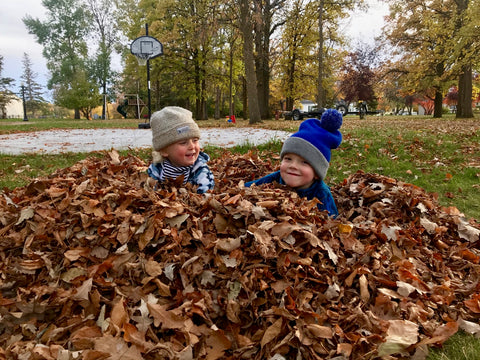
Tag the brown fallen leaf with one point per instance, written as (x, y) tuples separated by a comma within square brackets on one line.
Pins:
[(95, 257)]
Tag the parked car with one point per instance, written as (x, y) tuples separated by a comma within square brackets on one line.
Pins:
[(342, 107), (360, 108), (297, 114)]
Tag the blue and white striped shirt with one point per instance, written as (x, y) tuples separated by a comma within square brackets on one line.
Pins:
[(199, 173)]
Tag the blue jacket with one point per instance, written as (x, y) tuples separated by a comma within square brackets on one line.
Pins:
[(200, 176), (318, 190)]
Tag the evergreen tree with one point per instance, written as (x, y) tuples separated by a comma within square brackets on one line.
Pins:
[(34, 101), (5, 94)]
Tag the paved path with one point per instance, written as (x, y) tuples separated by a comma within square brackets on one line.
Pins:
[(86, 140)]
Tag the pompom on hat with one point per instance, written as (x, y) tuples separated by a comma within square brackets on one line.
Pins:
[(315, 139), (172, 124)]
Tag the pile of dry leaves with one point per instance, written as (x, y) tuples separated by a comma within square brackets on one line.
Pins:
[(97, 264)]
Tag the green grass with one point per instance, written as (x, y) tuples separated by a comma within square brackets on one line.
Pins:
[(461, 346), (446, 162), (441, 156), (274, 146), (18, 170)]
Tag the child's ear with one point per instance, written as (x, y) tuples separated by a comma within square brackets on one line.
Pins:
[(157, 156), (163, 152)]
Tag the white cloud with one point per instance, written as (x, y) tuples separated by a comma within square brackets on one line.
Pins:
[(15, 39), (365, 26)]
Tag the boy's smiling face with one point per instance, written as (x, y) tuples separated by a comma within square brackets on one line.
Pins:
[(183, 152), (297, 172)]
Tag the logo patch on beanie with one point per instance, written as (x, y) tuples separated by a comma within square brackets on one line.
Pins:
[(183, 130)]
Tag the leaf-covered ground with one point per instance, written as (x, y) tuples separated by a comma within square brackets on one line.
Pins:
[(97, 264)]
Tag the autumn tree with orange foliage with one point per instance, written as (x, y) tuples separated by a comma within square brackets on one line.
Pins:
[(434, 44)]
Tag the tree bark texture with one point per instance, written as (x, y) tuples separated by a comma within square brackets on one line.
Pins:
[(244, 98), (464, 103), (262, 57), (320, 90), (249, 61), (438, 104)]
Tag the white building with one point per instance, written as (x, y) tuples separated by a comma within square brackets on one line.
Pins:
[(306, 105), (13, 110)]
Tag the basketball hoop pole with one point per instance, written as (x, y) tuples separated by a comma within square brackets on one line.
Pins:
[(148, 82), (146, 48)]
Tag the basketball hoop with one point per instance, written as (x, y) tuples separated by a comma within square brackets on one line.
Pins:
[(142, 60), (146, 48)]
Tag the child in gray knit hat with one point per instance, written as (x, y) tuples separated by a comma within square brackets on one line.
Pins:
[(305, 158), (176, 149)]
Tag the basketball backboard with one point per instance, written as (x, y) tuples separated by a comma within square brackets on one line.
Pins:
[(146, 48)]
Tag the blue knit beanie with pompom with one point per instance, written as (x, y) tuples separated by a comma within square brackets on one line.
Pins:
[(315, 139)]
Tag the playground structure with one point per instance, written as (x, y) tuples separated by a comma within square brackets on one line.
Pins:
[(131, 101)]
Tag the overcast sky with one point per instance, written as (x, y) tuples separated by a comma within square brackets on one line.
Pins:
[(367, 25), (15, 39)]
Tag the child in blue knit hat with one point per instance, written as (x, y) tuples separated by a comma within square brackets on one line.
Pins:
[(305, 158)]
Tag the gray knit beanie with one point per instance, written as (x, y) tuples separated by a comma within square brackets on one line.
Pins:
[(315, 139), (172, 124)]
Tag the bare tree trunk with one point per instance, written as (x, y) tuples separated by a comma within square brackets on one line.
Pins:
[(262, 58), (290, 82), (438, 104), (464, 103), (104, 101), (157, 94), (265, 26), (197, 82), (244, 98), (438, 100), (320, 90), (204, 115), (218, 100), (289, 103), (230, 80), (248, 58)]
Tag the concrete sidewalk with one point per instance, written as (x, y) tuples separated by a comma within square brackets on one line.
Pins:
[(87, 140)]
